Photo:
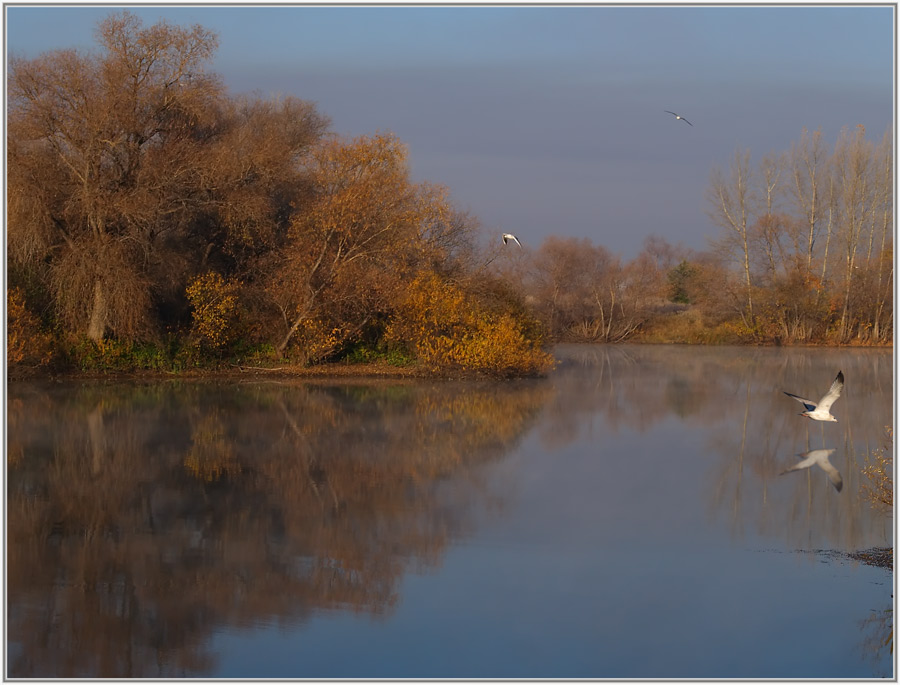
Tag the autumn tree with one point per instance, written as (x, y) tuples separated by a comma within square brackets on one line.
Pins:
[(581, 291), (131, 172), (93, 182), (815, 252), (661, 254), (363, 231), (255, 180), (663, 274)]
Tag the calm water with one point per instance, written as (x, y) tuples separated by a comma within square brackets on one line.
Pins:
[(623, 518)]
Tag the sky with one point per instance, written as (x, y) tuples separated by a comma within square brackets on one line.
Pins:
[(547, 119)]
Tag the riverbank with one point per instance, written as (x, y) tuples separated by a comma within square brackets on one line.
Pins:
[(337, 369)]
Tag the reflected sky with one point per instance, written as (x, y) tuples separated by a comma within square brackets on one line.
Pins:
[(626, 517)]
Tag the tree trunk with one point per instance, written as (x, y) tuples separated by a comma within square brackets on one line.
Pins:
[(290, 334), (821, 284), (97, 325), (749, 282)]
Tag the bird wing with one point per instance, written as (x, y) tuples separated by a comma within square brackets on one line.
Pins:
[(833, 392), (517, 241), (800, 465), (833, 474), (677, 116), (820, 457), (810, 405)]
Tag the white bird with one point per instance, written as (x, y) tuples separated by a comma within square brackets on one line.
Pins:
[(678, 116), (819, 411), (818, 458), (509, 236)]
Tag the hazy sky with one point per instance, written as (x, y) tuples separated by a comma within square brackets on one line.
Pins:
[(549, 119)]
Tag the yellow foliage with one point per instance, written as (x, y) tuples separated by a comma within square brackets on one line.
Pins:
[(25, 342), (318, 338), (447, 329), (879, 471), (216, 309)]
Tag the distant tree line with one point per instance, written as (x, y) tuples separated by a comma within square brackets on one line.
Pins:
[(156, 221), (805, 256)]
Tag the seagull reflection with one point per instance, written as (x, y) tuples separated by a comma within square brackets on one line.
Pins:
[(820, 459)]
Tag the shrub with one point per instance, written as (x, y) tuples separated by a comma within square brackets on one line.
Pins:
[(392, 355), (216, 311), (26, 343), (317, 339), (447, 329), (879, 472), (111, 354)]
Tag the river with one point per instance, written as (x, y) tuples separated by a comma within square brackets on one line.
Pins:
[(627, 516)]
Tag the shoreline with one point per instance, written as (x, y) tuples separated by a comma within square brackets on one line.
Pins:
[(343, 370), (290, 371)]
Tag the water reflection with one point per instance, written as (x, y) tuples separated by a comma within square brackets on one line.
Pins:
[(877, 632), (147, 521), (732, 398), (141, 518), (818, 458)]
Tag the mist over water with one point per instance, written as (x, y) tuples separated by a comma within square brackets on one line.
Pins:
[(625, 517)]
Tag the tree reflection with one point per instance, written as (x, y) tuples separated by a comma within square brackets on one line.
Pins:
[(732, 397), (877, 632), (141, 519)]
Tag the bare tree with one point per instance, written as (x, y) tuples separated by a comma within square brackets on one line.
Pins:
[(582, 292), (884, 186), (732, 200), (766, 240), (852, 172), (808, 165), (771, 167)]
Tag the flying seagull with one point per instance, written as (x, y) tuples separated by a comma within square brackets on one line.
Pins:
[(678, 116), (819, 411), (820, 459), (509, 236)]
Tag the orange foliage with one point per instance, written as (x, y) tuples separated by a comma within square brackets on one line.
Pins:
[(26, 343), (448, 329)]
